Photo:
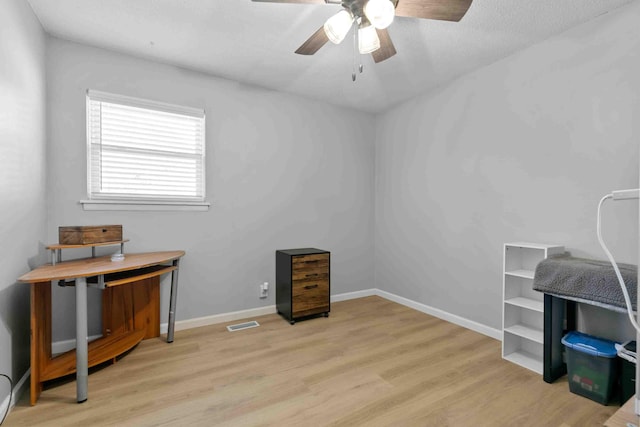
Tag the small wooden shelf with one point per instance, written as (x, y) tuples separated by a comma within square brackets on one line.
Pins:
[(88, 245), (100, 350), (56, 249)]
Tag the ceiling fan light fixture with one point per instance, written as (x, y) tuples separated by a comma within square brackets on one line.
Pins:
[(337, 27), (368, 40), (380, 13)]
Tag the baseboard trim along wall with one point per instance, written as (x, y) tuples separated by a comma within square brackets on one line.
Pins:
[(354, 295), (261, 311), (444, 315), (16, 393), (4, 404), (181, 325), (252, 312)]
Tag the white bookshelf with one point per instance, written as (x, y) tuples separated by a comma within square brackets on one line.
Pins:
[(523, 308)]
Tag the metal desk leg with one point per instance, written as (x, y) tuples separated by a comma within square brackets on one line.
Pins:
[(172, 303), (82, 351)]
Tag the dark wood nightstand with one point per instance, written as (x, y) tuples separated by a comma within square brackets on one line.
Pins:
[(302, 283)]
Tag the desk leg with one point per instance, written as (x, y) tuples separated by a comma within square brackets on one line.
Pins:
[(82, 351), (172, 303), (40, 335)]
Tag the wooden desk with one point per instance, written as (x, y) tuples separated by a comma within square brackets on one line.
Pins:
[(130, 311)]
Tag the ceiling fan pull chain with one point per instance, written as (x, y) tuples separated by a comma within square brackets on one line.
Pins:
[(355, 46), (356, 50)]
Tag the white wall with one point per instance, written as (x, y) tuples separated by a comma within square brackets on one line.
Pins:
[(282, 172), (521, 150), (22, 172)]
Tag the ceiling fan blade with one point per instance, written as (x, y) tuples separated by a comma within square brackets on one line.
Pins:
[(313, 43), (443, 10), (292, 1), (386, 50)]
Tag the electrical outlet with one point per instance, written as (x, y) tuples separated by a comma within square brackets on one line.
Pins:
[(264, 290)]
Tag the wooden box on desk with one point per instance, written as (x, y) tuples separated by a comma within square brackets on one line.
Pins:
[(87, 234)]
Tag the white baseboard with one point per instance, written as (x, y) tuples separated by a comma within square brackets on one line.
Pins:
[(62, 346), (6, 403), (197, 322), (16, 393), (444, 315), (252, 312), (353, 295)]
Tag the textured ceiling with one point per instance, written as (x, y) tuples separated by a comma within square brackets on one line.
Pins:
[(254, 42)]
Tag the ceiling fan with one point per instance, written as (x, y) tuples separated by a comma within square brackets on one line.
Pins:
[(372, 17)]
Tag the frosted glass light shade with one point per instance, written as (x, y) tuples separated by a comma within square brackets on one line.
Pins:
[(380, 13), (337, 27), (368, 40)]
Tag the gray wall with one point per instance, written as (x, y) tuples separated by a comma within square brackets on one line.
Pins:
[(282, 172), (521, 150), (22, 173)]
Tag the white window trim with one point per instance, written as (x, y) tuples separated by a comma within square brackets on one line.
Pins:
[(106, 203), (142, 205)]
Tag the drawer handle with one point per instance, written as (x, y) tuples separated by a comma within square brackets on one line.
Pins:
[(311, 286), (311, 275), (313, 261), (104, 230)]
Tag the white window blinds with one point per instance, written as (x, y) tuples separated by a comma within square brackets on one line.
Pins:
[(144, 150)]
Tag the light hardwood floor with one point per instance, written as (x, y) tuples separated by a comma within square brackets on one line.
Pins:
[(371, 363)]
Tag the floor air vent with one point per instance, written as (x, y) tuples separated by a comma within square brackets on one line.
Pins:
[(245, 325)]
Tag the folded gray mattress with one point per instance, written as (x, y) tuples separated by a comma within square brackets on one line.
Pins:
[(585, 280)]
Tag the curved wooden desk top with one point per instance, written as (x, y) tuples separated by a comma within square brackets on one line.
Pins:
[(87, 267)]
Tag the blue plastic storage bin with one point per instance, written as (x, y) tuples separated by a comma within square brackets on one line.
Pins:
[(592, 366)]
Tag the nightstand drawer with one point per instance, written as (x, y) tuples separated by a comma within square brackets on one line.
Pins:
[(310, 287), (310, 297), (310, 262), (310, 274)]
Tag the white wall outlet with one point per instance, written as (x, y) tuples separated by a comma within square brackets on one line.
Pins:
[(264, 290)]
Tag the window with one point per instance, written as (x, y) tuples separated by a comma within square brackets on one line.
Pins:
[(144, 152)]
